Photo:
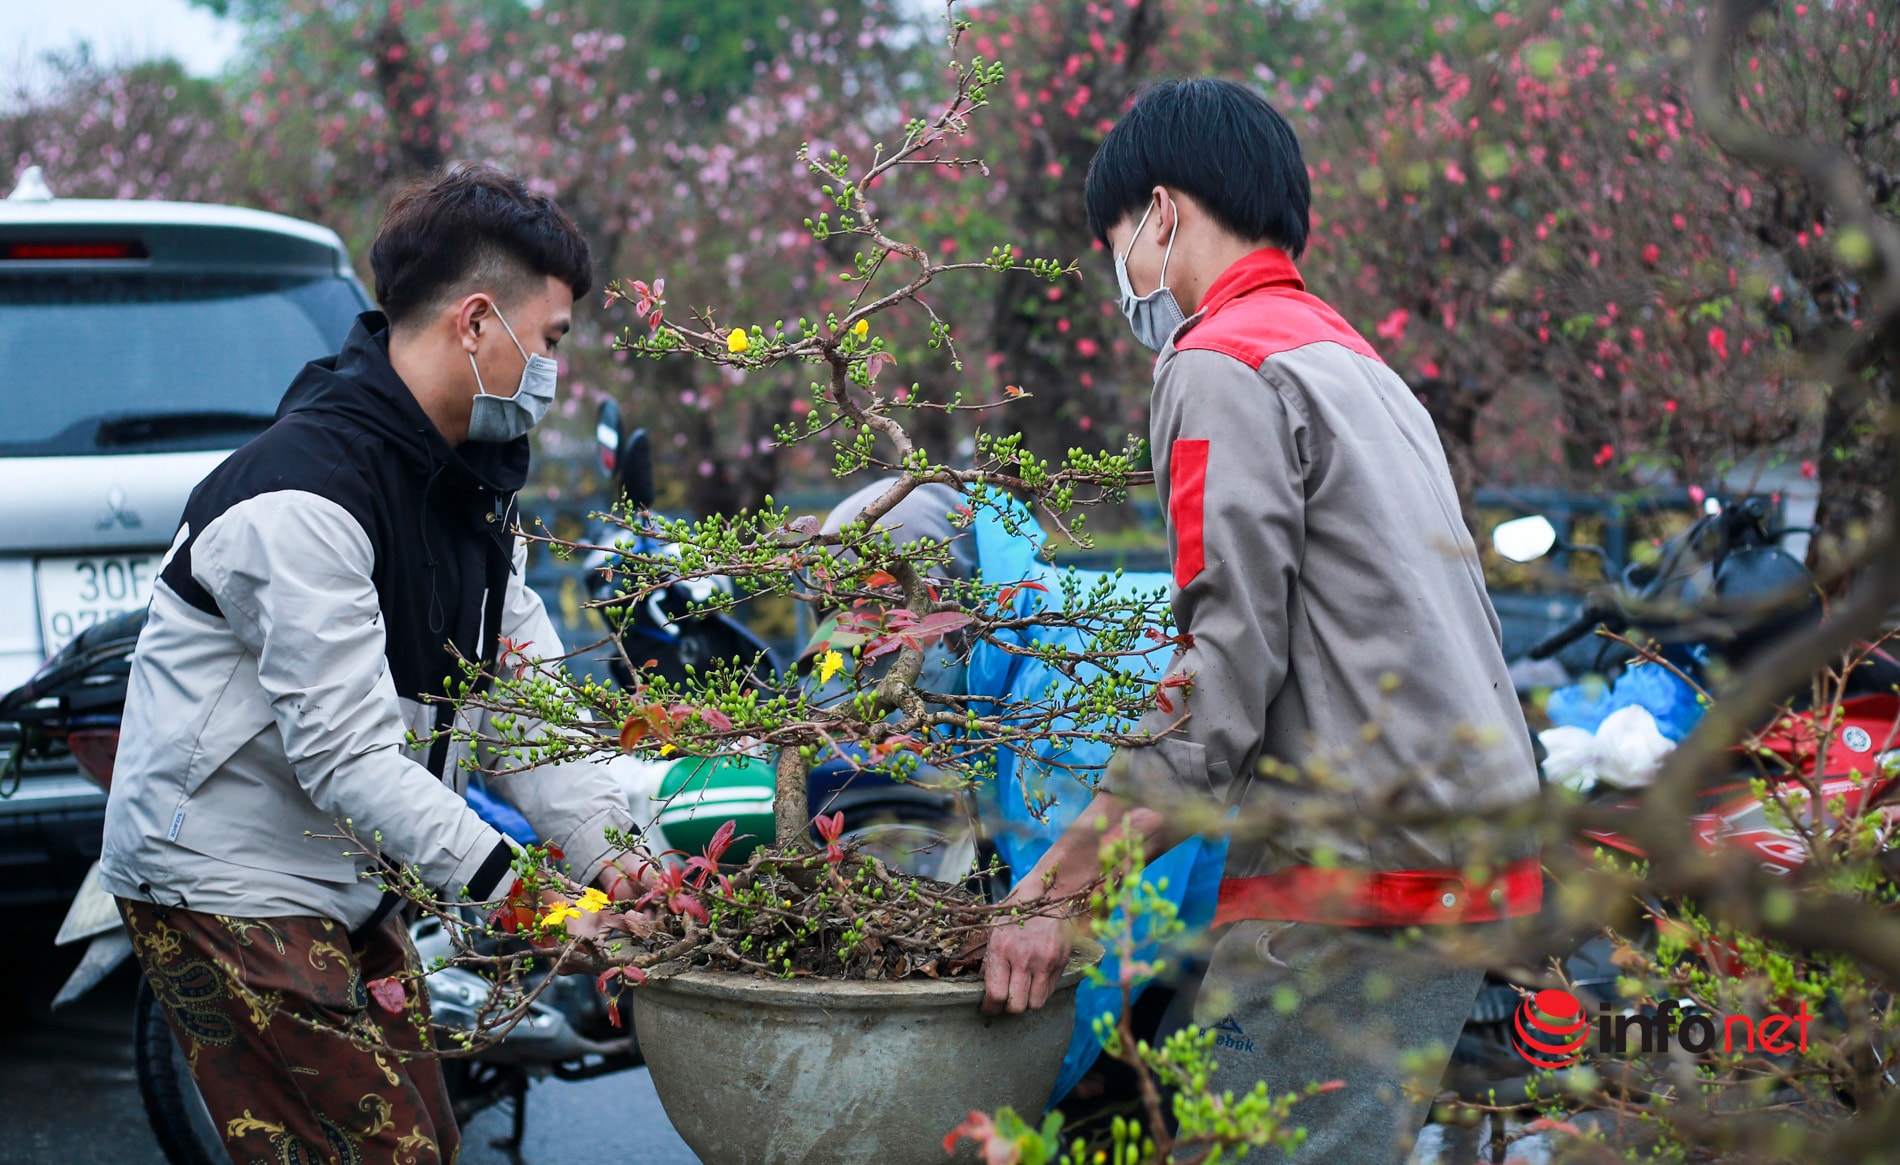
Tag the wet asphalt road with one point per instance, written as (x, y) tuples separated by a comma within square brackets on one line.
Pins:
[(69, 1094)]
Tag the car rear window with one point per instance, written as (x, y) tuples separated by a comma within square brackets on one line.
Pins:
[(116, 362)]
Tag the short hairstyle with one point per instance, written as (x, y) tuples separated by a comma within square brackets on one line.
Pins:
[(1217, 142), (472, 228)]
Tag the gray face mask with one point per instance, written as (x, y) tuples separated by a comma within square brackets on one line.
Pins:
[(496, 419), (1152, 317)]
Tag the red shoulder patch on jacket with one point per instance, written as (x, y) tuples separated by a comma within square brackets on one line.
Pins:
[(1271, 320), (1187, 498)]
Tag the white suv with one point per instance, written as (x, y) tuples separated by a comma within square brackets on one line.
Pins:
[(140, 342)]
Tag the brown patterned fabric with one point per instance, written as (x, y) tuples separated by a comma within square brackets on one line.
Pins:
[(293, 1059)]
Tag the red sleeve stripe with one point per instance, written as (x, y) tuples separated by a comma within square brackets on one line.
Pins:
[(1187, 495)]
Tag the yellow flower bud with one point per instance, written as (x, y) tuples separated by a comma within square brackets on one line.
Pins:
[(737, 342), (862, 328)]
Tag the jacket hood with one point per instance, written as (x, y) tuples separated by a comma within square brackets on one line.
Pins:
[(361, 387)]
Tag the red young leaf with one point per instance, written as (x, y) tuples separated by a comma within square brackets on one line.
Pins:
[(875, 362), (1177, 680), (891, 744), (941, 623), (701, 869), (721, 840), (997, 1150), (1008, 594), (389, 994), (633, 975), (883, 645), (830, 829)]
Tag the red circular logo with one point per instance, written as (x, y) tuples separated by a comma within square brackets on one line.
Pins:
[(1551, 1029)]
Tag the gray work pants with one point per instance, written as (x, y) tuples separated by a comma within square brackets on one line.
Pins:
[(1295, 1003)]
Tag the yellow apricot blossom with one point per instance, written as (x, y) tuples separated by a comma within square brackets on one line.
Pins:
[(862, 329), (558, 915), (829, 664), (737, 342), (594, 900)]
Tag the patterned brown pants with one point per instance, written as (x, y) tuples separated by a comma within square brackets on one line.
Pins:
[(291, 1055)]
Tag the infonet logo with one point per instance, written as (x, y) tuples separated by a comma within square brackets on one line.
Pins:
[(1551, 1030)]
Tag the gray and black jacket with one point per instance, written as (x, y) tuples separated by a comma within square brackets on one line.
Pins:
[(322, 584)]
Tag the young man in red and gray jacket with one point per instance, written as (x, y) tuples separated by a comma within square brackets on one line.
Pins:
[(1343, 680)]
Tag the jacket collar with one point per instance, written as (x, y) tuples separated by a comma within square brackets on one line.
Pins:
[(360, 383), (1267, 267)]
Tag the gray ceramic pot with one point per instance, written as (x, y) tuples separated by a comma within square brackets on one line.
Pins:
[(823, 1072)]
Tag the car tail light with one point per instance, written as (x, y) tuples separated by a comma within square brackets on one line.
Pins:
[(95, 749), (54, 249)]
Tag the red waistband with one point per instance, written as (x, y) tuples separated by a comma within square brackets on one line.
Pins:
[(1341, 897)]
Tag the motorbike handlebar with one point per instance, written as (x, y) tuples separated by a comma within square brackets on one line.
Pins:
[(1582, 626)]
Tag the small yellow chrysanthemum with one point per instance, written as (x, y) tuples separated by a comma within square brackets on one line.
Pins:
[(737, 342), (594, 900), (829, 664), (560, 914), (862, 328)]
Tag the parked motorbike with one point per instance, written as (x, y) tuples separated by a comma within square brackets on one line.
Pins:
[(1709, 599)]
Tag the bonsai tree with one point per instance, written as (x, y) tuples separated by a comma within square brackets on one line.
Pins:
[(886, 594)]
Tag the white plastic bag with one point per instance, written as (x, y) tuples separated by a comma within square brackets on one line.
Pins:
[(1624, 752), (1630, 748), (1570, 758)]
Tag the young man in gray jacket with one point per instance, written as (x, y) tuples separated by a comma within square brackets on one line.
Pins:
[(1341, 682), (324, 584)]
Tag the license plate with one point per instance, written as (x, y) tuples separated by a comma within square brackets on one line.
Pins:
[(76, 593)]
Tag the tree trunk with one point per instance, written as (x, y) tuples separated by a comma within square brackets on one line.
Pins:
[(791, 807)]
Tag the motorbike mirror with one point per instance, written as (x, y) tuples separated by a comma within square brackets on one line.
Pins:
[(635, 469), (1524, 539), (607, 434)]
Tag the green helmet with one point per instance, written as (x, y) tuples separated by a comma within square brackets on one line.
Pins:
[(701, 795)]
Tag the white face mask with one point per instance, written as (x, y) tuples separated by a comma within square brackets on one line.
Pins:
[(497, 419), (1155, 316)]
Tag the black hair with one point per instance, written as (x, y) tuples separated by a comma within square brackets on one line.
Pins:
[(472, 228), (1219, 143)]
